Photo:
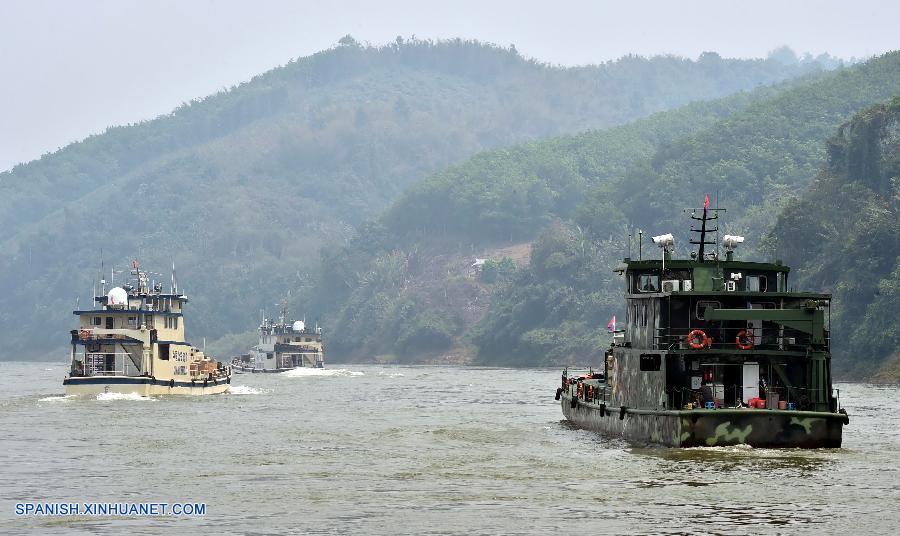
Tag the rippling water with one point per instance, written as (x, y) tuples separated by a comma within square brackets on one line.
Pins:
[(425, 450)]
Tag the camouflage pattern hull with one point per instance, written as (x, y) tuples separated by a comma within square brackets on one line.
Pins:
[(709, 427)]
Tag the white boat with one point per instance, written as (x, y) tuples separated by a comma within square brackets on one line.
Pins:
[(283, 346)]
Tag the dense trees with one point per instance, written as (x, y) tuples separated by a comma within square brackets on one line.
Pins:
[(499, 196), (843, 235)]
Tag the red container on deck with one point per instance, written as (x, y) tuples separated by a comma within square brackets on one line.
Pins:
[(760, 404)]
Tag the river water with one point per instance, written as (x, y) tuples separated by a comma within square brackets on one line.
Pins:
[(419, 450)]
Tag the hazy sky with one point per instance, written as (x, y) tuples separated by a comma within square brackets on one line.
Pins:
[(71, 68)]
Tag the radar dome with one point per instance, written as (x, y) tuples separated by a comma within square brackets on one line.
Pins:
[(298, 326), (117, 296)]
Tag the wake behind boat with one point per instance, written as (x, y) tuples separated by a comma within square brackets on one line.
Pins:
[(133, 342)]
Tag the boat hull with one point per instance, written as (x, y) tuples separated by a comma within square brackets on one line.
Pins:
[(143, 386), (244, 368), (710, 427)]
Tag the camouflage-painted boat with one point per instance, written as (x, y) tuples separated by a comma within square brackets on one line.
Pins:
[(714, 352)]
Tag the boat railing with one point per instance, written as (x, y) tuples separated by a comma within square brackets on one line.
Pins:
[(98, 364), (732, 338), (589, 390), (599, 395), (103, 336), (717, 395)]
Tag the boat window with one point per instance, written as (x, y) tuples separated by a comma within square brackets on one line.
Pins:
[(703, 305), (164, 352), (97, 321), (308, 339), (175, 322), (109, 322), (756, 283), (648, 283), (650, 362), (752, 283)]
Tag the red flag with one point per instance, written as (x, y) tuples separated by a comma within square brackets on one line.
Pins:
[(706, 202), (612, 324)]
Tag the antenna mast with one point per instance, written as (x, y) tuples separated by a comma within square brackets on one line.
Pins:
[(283, 309), (703, 230), (640, 244), (102, 276)]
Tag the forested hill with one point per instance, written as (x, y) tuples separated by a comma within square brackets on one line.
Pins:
[(843, 236), (402, 288), (577, 198), (241, 188)]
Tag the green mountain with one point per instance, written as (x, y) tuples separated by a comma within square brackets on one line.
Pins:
[(407, 275), (843, 235), (577, 198), (240, 189)]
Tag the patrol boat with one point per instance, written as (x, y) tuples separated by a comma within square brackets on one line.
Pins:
[(133, 342), (283, 346), (714, 352)]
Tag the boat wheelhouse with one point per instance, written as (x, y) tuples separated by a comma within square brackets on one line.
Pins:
[(133, 341), (714, 352)]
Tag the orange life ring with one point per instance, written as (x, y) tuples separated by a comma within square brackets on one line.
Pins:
[(693, 341), (744, 339)]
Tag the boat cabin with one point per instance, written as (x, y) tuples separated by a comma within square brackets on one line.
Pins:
[(727, 332), (714, 332)]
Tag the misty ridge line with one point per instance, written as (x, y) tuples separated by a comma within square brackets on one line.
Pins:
[(782, 54)]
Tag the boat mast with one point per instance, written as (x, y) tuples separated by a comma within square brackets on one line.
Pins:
[(703, 230)]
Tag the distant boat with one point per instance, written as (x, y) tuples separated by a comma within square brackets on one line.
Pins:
[(714, 352), (133, 342), (282, 346)]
